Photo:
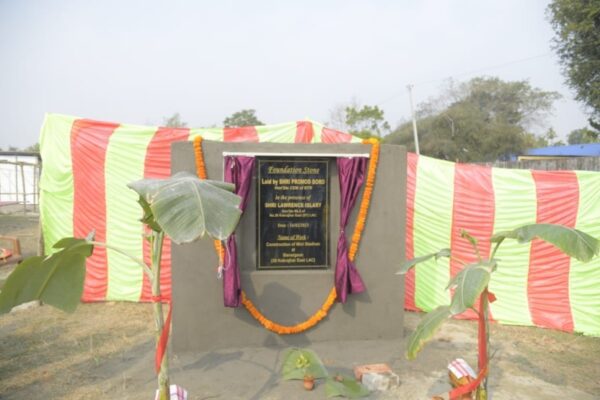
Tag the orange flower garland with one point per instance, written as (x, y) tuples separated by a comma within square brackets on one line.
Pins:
[(201, 172), (199, 156), (358, 229), (366, 199), (288, 330)]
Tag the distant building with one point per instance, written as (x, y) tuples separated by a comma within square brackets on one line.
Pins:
[(558, 152)]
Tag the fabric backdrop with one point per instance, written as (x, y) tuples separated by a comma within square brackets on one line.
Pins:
[(87, 165)]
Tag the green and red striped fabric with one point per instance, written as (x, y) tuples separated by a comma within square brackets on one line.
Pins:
[(535, 284), (87, 165)]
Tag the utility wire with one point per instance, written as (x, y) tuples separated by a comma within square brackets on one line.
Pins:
[(506, 64)]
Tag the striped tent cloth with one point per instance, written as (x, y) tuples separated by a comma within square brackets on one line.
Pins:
[(535, 284), (87, 165)]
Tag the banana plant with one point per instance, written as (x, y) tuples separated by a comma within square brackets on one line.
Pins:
[(182, 207), (471, 282)]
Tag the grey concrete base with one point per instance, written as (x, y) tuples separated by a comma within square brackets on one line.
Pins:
[(201, 322), (254, 373)]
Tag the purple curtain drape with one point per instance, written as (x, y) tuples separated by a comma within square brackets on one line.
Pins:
[(238, 170), (351, 172)]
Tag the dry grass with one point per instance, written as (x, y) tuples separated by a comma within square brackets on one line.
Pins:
[(47, 354), (105, 351)]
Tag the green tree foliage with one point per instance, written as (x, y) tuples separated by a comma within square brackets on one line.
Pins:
[(577, 42), (583, 135), (174, 121), (550, 138), (337, 117), (366, 121), (484, 119), (242, 118), (34, 148)]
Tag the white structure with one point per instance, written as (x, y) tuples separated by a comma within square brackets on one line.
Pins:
[(19, 177)]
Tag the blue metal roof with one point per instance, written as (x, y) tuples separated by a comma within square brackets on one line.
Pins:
[(573, 150)]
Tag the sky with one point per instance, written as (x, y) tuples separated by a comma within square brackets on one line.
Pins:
[(141, 61)]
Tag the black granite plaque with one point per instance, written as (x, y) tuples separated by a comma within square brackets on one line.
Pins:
[(292, 217)]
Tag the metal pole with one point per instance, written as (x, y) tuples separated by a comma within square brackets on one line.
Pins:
[(24, 188), (414, 119), (36, 187), (34, 194), (16, 179)]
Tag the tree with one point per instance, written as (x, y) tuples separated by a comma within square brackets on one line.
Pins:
[(34, 148), (484, 119), (583, 135), (366, 121), (242, 118), (550, 138), (337, 117), (576, 24), (174, 121)]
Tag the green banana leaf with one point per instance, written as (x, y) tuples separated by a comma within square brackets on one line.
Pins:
[(473, 240), (297, 363), (469, 283), (148, 216), (428, 326), (466, 235), (408, 264), (187, 208), (572, 242), (345, 387), (56, 280)]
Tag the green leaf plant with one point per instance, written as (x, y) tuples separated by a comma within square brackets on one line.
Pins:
[(345, 386), (182, 207), (471, 282), (305, 364), (299, 363), (56, 280)]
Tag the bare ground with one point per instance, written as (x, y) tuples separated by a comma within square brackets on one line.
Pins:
[(105, 351)]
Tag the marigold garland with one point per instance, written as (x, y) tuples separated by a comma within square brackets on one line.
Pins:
[(201, 172), (288, 330), (356, 236), (366, 199), (199, 155)]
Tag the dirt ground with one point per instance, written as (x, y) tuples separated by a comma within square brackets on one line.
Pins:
[(105, 351)]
